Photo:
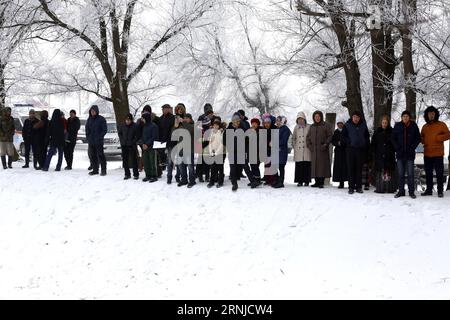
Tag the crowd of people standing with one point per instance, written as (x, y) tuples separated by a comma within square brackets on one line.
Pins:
[(382, 159)]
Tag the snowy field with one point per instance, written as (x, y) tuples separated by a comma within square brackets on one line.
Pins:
[(67, 235)]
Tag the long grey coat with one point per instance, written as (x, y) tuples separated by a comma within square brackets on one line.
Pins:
[(318, 140)]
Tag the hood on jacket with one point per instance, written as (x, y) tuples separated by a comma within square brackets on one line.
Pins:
[(320, 114), (302, 115), (56, 115), (431, 109), (95, 108), (147, 117)]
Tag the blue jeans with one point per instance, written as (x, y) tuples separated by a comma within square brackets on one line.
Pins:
[(405, 166), (51, 153)]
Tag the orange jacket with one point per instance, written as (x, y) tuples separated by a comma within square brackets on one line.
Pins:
[(434, 134)]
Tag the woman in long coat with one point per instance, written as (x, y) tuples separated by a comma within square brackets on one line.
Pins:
[(318, 140), (340, 172), (383, 153), (302, 154)]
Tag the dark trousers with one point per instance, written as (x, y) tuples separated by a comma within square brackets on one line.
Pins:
[(434, 164), (68, 153), (256, 173), (355, 161), (129, 155), (96, 156), (281, 173), (184, 167), (402, 167), (51, 153), (41, 150), (217, 175), (28, 148), (202, 169), (236, 170)]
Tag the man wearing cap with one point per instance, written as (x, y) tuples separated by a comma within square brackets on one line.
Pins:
[(27, 135), (406, 138), (434, 134)]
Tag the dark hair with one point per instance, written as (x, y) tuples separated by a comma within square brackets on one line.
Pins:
[(431, 109), (129, 117), (406, 112), (147, 108), (73, 111), (166, 106)]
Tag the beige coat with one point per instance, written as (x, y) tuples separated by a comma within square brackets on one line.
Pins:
[(301, 150), (215, 145)]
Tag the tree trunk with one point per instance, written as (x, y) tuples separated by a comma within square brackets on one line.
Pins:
[(409, 12), (346, 41), (383, 73), (2, 86), (119, 94)]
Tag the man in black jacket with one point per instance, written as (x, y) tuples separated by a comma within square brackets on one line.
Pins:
[(73, 126), (406, 138), (357, 140), (165, 124), (96, 129), (27, 134), (129, 134)]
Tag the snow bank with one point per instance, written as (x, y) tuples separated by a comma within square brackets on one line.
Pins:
[(67, 235)]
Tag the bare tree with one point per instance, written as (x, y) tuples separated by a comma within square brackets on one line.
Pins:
[(15, 28), (105, 41)]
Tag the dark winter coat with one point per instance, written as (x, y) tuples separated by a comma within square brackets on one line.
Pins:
[(96, 128), (284, 135), (41, 129), (382, 149), (356, 135), (129, 134), (55, 133), (7, 129), (318, 140), (234, 143), (27, 130), (405, 140), (73, 126), (150, 131), (166, 123), (340, 172)]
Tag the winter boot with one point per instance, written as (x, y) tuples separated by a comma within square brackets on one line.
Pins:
[(4, 163)]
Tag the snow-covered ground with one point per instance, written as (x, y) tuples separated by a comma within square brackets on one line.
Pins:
[(67, 235)]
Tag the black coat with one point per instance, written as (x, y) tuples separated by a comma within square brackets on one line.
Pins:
[(166, 123), (28, 131), (405, 140), (382, 149), (234, 144), (73, 126), (340, 172), (55, 133), (96, 128), (129, 134)]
